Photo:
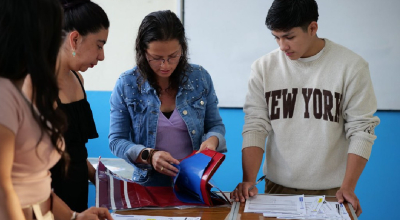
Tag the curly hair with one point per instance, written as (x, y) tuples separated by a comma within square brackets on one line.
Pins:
[(161, 26)]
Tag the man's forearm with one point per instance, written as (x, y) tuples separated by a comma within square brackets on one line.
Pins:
[(355, 166), (251, 162)]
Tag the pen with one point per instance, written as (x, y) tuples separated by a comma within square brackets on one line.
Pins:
[(258, 181)]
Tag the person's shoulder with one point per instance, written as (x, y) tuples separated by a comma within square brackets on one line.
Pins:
[(344, 54), (130, 75), (6, 88), (131, 72), (195, 67), (195, 70), (9, 94), (269, 58)]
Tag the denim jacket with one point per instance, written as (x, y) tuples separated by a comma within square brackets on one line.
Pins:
[(135, 110)]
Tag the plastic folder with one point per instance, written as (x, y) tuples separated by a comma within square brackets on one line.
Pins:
[(191, 186)]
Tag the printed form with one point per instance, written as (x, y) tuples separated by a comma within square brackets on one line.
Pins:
[(296, 207)]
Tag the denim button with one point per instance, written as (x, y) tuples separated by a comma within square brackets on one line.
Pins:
[(193, 132), (184, 112)]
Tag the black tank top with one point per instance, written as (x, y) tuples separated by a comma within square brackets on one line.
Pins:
[(72, 187)]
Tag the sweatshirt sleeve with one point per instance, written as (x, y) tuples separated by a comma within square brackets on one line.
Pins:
[(256, 120), (359, 106)]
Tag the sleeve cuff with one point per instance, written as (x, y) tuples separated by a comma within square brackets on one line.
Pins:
[(254, 139), (133, 153), (360, 147), (221, 141)]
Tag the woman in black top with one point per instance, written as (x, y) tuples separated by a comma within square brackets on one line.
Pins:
[(86, 26)]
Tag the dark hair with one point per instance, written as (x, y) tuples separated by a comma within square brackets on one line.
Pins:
[(30, 38), (287, 14), (84, 16), (161, 26)]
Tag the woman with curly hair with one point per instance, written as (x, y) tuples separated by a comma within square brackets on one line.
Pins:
[(164, 108)]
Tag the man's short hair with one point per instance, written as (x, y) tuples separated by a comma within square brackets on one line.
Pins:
[(287, 14)]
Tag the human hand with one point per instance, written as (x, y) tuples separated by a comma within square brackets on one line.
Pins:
[(94, 213), (162, 162), (211, 143), (346, 194), (241, 192)]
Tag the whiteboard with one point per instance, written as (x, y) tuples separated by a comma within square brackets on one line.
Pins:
[(226, 36)]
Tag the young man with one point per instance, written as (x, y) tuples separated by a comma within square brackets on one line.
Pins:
[(315, 102)]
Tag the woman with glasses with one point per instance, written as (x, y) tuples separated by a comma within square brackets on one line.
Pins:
[(164, 108)]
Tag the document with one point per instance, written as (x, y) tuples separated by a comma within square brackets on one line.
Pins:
[(146, 217), (276, 205), (296, 207)]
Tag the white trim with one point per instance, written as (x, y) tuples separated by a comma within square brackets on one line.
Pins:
[(111, 190), (128, 202), (97, 187)]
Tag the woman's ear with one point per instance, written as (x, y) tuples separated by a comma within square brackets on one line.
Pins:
[(73, 38)]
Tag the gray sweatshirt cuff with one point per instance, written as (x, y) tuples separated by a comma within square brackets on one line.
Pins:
[(254, 139), (360, 147)]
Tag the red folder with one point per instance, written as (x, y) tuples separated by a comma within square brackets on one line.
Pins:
[(117, 193), (205, 186)]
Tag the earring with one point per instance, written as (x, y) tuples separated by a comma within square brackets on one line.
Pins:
[(73, 53)]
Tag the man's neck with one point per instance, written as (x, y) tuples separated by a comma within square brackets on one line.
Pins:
[(316, 47)]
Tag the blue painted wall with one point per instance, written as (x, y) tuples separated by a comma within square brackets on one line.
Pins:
[(377, 188)]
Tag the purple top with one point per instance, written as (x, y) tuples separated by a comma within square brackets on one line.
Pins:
[(173, 136)]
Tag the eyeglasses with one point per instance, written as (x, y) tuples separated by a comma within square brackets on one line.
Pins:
[(159, 62)]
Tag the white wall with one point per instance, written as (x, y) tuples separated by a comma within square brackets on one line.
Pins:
[(226, 36), (125, 17)]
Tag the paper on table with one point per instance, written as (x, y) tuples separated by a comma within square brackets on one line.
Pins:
[(276, 204), (327, 210), (313, 204), (146, 217), (342, 210)]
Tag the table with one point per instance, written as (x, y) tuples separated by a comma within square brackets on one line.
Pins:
[(125, 170), (224, 213)]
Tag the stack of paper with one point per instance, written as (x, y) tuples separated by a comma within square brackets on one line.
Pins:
[(296, 207)]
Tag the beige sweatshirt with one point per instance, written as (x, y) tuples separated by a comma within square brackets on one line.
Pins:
[(313, 113)]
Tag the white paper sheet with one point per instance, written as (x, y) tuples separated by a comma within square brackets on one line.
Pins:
[(296, 207), (276, 204)]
